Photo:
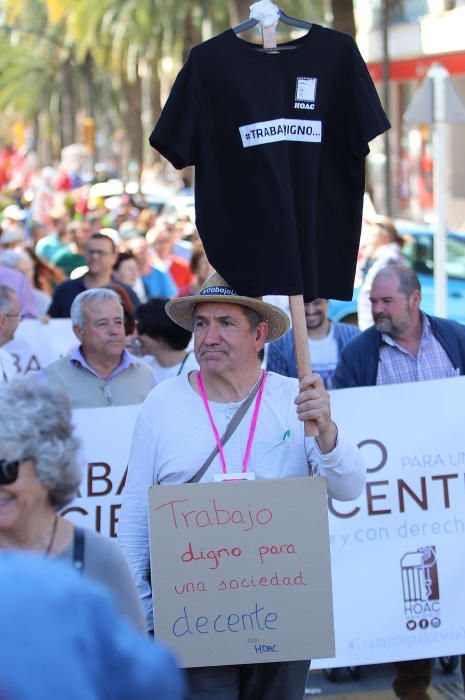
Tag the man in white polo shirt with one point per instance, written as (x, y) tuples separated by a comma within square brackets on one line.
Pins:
[(175, 433)]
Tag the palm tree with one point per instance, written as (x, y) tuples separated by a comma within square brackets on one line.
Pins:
[(39, 75), (113, 60)]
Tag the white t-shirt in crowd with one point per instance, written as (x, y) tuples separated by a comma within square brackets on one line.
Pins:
[(324, 356), (161, 373)]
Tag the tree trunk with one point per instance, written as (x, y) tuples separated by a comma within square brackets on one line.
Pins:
[(68, 103), (191, 34), (133, 119), (88, 72), (155, 96), (239, 10), (343, 16), (35, 131)]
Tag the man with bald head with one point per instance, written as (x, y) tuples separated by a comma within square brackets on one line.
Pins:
[(404, 345)]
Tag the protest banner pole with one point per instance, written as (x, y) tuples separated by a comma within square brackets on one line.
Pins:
[(296, 302), (302, 352)]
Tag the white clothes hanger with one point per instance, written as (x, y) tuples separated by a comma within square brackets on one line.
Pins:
[(267, 15), (285, 19)]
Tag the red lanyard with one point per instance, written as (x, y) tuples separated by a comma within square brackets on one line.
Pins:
[(253, 424)]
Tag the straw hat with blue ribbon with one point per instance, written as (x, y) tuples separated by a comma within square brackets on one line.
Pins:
[(216, 289)]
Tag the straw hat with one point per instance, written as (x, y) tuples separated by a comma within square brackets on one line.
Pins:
[(215, 289)]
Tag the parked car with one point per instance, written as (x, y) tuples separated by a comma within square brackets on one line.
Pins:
[(154, 195), (181, 205), (419, 252)]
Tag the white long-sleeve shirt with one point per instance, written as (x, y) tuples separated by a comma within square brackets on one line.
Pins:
[(173, 437)]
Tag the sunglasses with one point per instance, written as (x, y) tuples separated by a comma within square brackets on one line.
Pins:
[(9, 470)]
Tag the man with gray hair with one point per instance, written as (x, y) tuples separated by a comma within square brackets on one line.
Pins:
[(10, 316), (100, 372), (230, 330)]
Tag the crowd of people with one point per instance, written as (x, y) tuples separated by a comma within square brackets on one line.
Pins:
[(146, 307)]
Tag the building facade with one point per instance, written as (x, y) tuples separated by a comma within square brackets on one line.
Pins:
[(420, 32)]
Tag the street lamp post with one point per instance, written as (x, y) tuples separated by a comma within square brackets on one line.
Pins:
[(386, 12)]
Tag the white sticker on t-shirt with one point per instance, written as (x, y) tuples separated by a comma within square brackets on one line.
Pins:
[(305, 90), (280, 130)]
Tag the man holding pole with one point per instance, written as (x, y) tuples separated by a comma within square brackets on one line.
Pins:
[(265, 413)]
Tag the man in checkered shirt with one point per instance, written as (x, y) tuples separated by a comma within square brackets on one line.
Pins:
[(404, 345)]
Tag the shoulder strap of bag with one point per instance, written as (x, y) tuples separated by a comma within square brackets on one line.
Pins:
[(78, 549), (232, 425)]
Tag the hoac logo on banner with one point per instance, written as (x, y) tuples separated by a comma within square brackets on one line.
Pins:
[(420, 586)]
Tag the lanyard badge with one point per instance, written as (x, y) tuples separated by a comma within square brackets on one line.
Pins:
[(244, 474)]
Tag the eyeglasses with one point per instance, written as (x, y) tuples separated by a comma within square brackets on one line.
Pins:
[(9, 471), (18, 316), (100, 253)]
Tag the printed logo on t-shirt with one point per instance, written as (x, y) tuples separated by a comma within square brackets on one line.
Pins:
[(280, 130), (305, 93)]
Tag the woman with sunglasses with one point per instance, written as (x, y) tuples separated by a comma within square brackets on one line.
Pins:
[(39, 476)]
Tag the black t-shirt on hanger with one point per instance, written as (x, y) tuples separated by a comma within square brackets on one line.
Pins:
[(279, 143)]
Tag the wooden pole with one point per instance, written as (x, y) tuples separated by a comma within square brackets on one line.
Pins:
[(302, 353)]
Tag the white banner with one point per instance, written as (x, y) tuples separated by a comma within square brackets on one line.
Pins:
[(37, 344), (396, 552), (105, 435)]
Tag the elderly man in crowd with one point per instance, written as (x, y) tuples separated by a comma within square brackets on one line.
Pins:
[(10, 316), (404, 345), (229, 332), (101, 372), (22, 288), (100, 256), (326, 340)]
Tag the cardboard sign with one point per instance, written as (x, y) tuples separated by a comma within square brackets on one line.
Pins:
[(241, 571)]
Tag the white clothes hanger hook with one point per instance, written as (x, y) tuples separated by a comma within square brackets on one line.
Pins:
[(265, 12)]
